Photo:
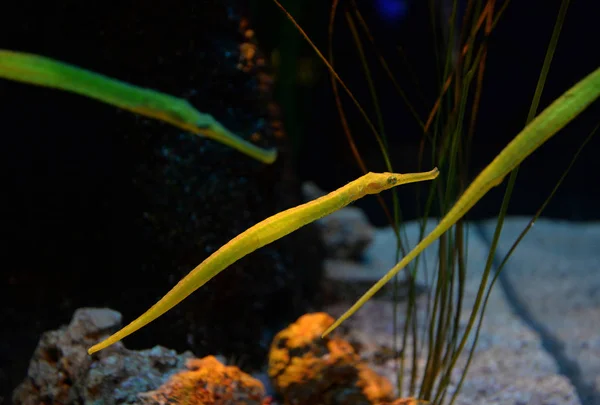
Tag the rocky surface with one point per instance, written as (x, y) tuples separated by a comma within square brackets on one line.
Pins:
[(207, 382), (306, 369), (539, 342), (62, 373)]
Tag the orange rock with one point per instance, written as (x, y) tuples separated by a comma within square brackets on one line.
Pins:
[(406, 401), (208, 382), (306, 369)]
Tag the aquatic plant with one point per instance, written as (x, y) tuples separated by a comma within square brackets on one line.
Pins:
[(449, 129)]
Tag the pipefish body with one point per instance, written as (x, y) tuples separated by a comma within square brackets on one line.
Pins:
[(263, 233)]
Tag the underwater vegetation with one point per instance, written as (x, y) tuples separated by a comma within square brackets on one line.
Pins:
[(462, 37)]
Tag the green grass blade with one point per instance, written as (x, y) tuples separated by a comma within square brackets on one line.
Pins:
[(47, 72), (507, 256), (550, 121), (504, 208)]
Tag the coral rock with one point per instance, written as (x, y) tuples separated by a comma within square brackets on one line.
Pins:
[(208, 382), (61, 371), (307, 369), (406, 401)]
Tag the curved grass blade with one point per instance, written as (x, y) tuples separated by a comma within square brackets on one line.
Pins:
[(504, 208), (47, 72), (550, 121), (332, 71), (508, 255)]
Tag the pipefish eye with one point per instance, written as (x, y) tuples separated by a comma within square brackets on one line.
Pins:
[(392, 180)]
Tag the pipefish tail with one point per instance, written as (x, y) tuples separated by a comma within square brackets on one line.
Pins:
[(263, 233), (42, 71)]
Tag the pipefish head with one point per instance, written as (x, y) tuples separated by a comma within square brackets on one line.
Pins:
[(377, 182), (374, 183)]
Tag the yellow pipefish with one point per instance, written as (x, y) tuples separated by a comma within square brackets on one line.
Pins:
[(263, 233)]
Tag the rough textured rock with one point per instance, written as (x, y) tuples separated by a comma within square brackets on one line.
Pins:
[(207, 382), (99, 194), (61, 371), (306, 369)]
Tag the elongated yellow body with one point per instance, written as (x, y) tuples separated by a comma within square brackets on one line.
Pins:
[(263, 233)]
